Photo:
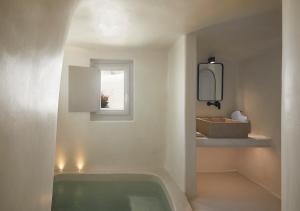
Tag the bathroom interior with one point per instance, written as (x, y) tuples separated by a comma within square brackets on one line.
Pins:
[(227, 158), (132, 106)]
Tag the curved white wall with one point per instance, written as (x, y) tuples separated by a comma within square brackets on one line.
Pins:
[(32, 34)]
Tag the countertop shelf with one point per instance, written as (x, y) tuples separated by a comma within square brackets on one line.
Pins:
[(251, 141)]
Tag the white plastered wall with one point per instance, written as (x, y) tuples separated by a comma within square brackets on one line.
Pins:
[(32, 35), (260, 91), (181, 108), (190, 112), (175, 121), (101, 145), (290, 106)]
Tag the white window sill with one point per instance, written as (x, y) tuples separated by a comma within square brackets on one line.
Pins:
[(102, 117)]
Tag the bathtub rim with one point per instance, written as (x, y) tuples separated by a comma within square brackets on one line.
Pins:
[(176, 198)]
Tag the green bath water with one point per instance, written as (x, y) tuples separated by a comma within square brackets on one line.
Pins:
[(108, 196)]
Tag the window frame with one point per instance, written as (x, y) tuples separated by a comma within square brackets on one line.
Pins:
[(127, 66)]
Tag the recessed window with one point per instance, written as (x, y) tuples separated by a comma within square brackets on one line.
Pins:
[(112, 89), (116, 89)]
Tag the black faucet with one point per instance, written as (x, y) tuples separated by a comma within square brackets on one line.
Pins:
[(215, 103)]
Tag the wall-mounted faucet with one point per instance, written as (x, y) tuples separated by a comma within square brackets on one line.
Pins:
[(215, 103)]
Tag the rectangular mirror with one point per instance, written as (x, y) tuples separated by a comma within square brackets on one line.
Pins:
[(210, 82)]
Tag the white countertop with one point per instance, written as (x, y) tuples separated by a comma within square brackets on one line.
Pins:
[(252, 141)]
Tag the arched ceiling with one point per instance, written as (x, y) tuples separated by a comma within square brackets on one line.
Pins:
[(155, 23), (242, 38)]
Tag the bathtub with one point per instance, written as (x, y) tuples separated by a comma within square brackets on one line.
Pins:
[(117, 191)]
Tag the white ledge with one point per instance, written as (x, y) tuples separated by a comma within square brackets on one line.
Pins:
[(251, 141)]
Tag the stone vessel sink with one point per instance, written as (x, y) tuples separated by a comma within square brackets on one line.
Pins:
[(221, 127)]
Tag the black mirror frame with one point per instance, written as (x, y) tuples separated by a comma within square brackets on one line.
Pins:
[(222, 93)]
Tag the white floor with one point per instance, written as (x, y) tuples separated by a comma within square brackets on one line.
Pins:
[(232, 192)]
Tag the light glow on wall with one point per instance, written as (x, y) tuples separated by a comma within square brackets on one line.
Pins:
[(80, 164), (61, 166), (61, 163)]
